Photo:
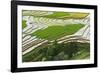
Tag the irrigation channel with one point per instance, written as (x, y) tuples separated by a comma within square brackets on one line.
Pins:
[(30, 42)]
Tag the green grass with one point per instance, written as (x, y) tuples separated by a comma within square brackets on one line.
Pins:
[(23, 24), (57, 31)]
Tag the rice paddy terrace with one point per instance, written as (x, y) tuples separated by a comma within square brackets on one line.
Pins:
[(45, 33)]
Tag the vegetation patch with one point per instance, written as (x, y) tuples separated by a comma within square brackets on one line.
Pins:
[(23, 24), (55, 14), (57, 31), (63, 51)]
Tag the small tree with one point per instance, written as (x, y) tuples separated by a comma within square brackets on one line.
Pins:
[(71, 49)]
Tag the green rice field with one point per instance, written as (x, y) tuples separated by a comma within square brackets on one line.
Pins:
[(57, 15), (55, 32)]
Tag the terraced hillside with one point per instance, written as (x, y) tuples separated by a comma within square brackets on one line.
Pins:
[(50, 36)]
